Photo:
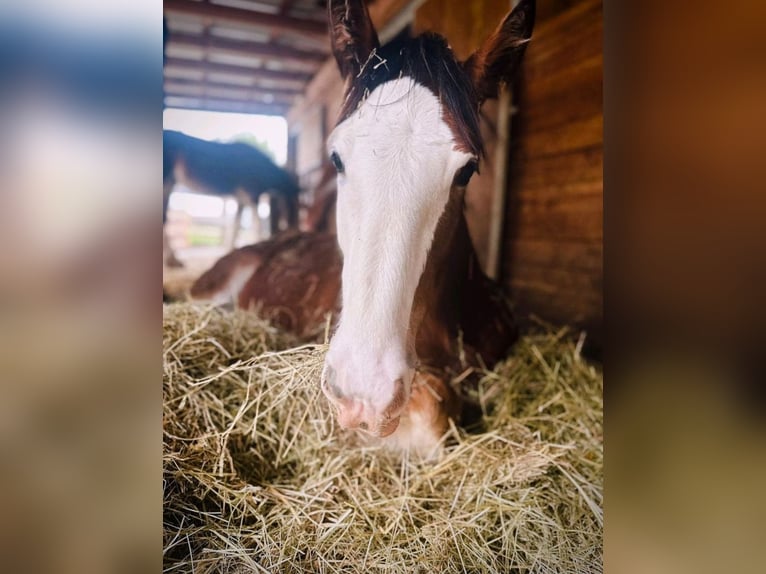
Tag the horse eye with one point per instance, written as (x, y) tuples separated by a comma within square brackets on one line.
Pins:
[(464, 174), (335, 159)]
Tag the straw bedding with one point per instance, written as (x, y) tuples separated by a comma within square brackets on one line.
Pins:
[(258, 479)]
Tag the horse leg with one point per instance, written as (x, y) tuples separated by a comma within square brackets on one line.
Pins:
[(255, 222), (274, 215), (232, 240), (168, 255), (292, 210)]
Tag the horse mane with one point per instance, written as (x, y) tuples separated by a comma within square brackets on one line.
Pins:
[(429, 61)]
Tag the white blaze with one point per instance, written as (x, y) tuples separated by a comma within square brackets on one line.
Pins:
[(399, 160)]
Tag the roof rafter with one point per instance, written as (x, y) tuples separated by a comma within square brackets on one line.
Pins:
[(243, 94), (258, 73), (283, 91), (213, 13), (219, 105), (241, 48)]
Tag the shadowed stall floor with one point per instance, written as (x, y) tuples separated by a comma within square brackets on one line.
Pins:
[(258, 477)]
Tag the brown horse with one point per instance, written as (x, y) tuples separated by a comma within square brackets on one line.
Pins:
[(416, 307), (236, 169)]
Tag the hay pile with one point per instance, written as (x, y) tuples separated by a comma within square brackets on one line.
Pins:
[(257, 479)]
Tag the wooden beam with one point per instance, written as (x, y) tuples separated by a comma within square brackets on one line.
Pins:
[(266, 85), (232, 102), (500, 185), (212, 13), (213, 68), (243, 94), (254, 49), (217, 105), (229, 85)]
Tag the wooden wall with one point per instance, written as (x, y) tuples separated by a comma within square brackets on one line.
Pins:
[(553, 256)]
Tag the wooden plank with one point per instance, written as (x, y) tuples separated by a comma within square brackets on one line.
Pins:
[(537, 88), (553, 261), (582, 256), (571, 304), (216, 14), (578, 217), (571, 37), (560, 139), (242, 48), (293, 92), (579, 26), (559, 284), (567, 296), (226, 93), (585, 164), (559, 174), (570, 299), (573, 94), (555, 193), (217, 105), (492, 261), (547, 9), (560, 197), (465, 24), (212, 68)]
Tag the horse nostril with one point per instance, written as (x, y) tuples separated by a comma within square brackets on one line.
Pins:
[(398, 400), (389, 427)]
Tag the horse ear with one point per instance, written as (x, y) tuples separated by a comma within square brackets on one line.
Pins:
[(352, 34), (497, 60)]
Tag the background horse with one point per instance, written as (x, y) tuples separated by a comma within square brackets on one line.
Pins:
[(235, 169)]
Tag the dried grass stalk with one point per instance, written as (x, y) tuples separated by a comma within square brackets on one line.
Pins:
[(258, 479)]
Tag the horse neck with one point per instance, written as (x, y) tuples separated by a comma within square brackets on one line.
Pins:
[(435, 318)]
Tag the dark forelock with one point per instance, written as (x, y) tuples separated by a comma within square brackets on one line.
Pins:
[(429, 61)]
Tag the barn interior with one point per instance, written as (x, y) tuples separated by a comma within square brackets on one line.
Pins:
[(535, 218)]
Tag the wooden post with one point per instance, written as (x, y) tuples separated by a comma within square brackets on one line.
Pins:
[(497, 214)]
